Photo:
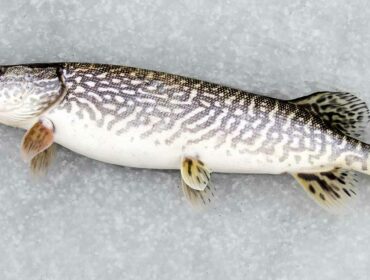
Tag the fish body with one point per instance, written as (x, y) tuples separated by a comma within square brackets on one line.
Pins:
[(147, 119)]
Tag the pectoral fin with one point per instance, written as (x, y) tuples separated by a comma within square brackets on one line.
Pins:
[(41, 162), (37, 140), (331, 190)]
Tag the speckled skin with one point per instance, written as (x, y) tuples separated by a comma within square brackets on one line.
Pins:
[(148, 119)]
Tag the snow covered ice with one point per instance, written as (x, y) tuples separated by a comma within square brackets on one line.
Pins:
[(90, 220)]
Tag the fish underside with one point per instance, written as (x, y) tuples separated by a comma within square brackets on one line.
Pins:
[(147, 119)]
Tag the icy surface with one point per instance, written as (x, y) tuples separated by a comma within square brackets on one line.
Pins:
[(89, 220)]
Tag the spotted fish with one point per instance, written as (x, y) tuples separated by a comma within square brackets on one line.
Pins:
[(147, 119)]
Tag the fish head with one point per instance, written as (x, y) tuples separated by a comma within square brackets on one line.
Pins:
[(26, 93)]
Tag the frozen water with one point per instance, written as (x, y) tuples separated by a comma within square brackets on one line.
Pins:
[(89, 220)]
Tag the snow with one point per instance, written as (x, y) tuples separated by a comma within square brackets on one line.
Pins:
[(90, 220)]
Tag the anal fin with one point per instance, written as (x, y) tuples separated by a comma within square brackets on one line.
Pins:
[(331, 190)]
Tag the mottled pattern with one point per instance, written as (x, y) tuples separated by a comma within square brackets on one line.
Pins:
[(123, 99), (174, 111)]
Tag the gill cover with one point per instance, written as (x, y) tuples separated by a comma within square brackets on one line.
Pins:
[(28, 91)]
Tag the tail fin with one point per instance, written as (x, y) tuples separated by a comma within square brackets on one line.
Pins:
[(349, 115)]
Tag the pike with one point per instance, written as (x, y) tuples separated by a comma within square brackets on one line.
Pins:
[(146, 119)]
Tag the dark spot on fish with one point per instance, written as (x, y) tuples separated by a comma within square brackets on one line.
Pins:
[(312, 177), (336, 194), (321, 99), (190, 163), (347, 192), (322, 196), (201, 196), (206, 174), (329, 175), (198, 179), (312, 189), (341, 181)]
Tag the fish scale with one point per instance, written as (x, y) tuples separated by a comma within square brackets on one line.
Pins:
[(164, 109), (148, 119)]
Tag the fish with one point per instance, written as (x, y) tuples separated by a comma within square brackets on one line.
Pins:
[(147, 119)]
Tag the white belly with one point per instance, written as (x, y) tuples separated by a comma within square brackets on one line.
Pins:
[(84, 137)]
